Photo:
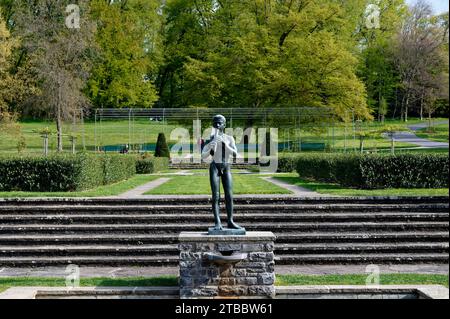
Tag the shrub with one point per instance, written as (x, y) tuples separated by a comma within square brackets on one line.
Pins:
[(287, 163), (63, 173), (151, 165), (406, 171), (50, 174), (377, 171), (117, 168), (162, 150), (316, 167)]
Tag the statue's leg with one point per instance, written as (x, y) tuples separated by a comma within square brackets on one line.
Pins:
[(214, 179), (227, 181)]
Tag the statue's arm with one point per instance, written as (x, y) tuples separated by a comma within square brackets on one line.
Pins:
[(232, 146), (206, 151)]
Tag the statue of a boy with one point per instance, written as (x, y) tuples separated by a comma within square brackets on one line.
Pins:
[(222, 148)]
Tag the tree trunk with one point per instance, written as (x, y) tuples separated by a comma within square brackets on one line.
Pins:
[(405, 116), (361, 145), (421, 107), (59, 120)]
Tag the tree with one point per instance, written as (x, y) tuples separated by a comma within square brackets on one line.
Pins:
[(11, 88), (377, 68), (262, 53), (128, 36), (417, 52), (59, 56), (162, 150)]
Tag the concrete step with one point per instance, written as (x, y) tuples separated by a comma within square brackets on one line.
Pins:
[(206, 217), (177, 228), (173, 260), (110, 293), (95, 250), (206, 200), (357, 248), (172, 250), (143, 239), (90, 261), (364, 259), (363, 237), (206, 208)]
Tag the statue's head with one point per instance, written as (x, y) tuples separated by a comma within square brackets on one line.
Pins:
[(219, 122)]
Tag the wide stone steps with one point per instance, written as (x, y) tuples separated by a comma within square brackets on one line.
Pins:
[(10, 219), (90, 261), (365, 259), (142, 239), (121, 232), (178, 201), (6, 210), (177, 228), (172, 250), (173, 260)]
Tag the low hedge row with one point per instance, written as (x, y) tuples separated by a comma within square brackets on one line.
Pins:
[(287, 163), (376, 171), (152, 165), (63, 173)]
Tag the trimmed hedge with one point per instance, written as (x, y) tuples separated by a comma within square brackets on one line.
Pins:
[(376, 171), (151, 165), (117, 168), (287, 163), (63, 173)]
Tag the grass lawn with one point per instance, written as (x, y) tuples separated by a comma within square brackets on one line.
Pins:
[(198, 184), (281, 280), (360, 279), (106, 190), (118, 132), (423, 151), (438, 133), (334, 189)]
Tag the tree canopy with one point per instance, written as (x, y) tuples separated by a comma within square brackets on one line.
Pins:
[(359, 58)]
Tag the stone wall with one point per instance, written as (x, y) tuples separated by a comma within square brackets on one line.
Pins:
[(201, 277)]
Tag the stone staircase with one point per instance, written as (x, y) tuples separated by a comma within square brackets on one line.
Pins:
[(190, 166), (143, 232)]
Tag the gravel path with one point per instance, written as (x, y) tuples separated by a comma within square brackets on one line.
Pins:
[(140, 190), (411, 138), (297, 190), (119, 272)]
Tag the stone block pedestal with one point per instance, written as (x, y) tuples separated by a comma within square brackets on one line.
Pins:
[(240, 266)]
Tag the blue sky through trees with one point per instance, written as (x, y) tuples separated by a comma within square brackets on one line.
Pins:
[(439, 6)]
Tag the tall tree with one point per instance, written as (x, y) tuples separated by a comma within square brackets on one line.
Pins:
[(376, 38), (262, 53), (128, 37), (59, 55), (417, 52), (12, 88)]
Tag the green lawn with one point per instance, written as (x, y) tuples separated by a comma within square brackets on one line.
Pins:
[(423, 151), (106, 190), (118, 132), (281, 280), (198, 184), (438, 133), (360, 279), (109, 132), (334, 189)]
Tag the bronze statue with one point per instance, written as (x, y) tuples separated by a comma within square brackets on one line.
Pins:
[(222, 148)]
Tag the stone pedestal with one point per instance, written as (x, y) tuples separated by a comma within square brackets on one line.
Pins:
[(240, 266)]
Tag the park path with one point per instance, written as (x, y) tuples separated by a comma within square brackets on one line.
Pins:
[(412, 138), (140, 190), (123, 272), (297, 190)]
